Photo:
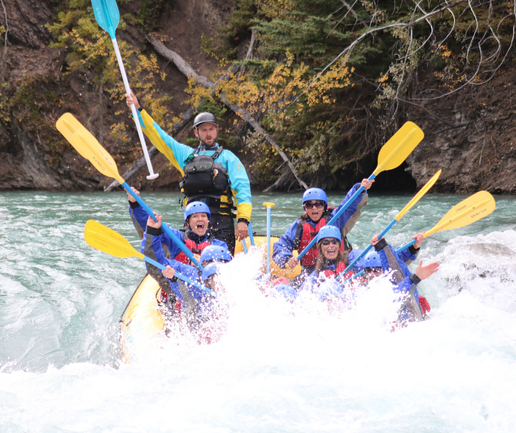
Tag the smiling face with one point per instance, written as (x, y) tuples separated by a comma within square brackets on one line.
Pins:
[(314, 209), (207, 133), (330, 248), (198, 223)]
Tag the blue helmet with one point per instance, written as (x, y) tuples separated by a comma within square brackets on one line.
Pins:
[(359, 266), (215, 252), (314, 194), (328, 232), (209, 270), (372, 260), (197, 207)]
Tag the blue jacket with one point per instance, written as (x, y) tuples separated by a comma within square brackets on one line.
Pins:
[(282, 250), (189, 295), (178, 153), (139, 217)]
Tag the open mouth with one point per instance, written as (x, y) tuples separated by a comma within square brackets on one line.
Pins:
[(200, 226)]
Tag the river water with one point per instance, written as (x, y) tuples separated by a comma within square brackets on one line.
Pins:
[(276, 370)]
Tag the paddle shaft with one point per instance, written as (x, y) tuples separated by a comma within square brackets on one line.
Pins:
[(366, 250), (164, 227), (179, 276), (358, 274), (404, 247), (268, 242), (338, 214), (250, 231), (268, 206), (152, 175)]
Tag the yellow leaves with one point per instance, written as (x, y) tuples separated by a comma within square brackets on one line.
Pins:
[(275, 9), (119, 132), (443, 52), (197, 92)]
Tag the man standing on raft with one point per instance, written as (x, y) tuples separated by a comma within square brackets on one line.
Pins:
[(211, 174)]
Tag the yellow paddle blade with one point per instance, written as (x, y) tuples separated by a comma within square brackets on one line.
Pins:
[(88, 146), (401, 144), (104, 239), (468, 211), (418, 196)]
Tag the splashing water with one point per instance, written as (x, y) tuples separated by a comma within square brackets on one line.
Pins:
[(280, 366)]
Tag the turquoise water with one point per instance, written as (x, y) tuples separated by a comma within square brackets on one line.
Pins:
[(278, 369)]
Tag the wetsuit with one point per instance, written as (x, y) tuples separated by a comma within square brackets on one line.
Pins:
[(195, 168)]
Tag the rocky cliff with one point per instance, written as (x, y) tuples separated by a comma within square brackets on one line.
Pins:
[(468, 134)]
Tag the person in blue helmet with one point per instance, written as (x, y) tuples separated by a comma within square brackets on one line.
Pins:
[(196, 235), (371, 260), (329, 265), (304, 229), (210, 276), (412, 308), (210, 173), (181, 300), (214, 253), (155, 240)]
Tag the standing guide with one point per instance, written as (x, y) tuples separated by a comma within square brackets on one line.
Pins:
[(211, 174)]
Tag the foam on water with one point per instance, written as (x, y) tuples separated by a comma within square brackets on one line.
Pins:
[(280, 367)]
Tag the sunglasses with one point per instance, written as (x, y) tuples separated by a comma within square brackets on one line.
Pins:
[(316, 204), (326, 242)]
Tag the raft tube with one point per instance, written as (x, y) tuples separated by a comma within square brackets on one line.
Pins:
[(141, 324)]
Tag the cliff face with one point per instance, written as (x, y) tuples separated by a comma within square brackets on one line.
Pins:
[(468, 134)]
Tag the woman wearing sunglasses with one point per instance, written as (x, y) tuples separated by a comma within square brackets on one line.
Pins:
[(329, 264), (304, 229)]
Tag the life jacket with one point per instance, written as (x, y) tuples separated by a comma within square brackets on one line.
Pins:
[(207, 181), (305, 232), (340, 268), (193, 247), (424, 305)]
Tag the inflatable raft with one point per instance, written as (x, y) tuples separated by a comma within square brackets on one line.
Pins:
[(142, 326)]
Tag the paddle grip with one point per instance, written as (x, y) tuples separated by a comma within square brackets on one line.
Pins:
[(164, 227), (133, 110), (338, 214)]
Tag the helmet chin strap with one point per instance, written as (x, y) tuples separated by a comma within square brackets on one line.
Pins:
[(203, 144)]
